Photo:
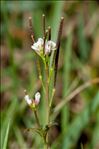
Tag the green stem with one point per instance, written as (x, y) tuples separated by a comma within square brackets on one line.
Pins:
[(40, 77), (47, 93), (47, 101), (53, 92), (45, 146), (37, 119)]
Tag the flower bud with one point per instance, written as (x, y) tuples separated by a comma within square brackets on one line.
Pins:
[(37, 98)]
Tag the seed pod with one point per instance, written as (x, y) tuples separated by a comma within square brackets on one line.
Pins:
[(31, 29), (57, 48)]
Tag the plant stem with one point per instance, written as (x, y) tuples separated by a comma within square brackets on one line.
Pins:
[(37, 119), (47, 93), (51, 100), (45, 146), (47, 102)]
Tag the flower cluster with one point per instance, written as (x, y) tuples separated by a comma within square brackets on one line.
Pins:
[(32, 103), (39, 45)]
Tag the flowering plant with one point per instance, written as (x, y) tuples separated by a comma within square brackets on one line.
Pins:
[(48, 51)]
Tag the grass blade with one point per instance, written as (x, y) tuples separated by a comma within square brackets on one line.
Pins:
[(66, 80), (10, 112), (6, 136)]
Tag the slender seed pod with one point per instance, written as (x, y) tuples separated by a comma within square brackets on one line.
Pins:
[(44, 32), (31, 29), (57, 48), (49, 33), (44, 38), (43, 24)]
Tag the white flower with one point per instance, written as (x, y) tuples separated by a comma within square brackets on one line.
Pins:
[(37, 98), (49, 46), (28, 100), (37, 46)]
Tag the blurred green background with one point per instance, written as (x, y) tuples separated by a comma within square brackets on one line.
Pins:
[(78, 121)]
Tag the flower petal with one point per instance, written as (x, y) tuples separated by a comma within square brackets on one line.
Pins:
[(49, 46), (37, 46), (28, 100), (37, 98)]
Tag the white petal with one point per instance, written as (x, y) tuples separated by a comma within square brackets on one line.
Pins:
[(52, 44), (40, 41), (47, 48), (28, 100), (37, 98), (37, 46)]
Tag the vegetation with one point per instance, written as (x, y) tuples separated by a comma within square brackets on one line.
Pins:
[(73, 94)]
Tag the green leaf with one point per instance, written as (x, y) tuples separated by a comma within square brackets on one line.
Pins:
[(66, 80), (6, 136), (9, 114)]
